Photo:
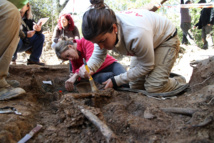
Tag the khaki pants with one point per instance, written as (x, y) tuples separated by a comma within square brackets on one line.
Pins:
[(10, 21), (158, 80)]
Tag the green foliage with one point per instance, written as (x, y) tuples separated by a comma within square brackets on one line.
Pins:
[(195, 13), (121, 5), (42, 9)]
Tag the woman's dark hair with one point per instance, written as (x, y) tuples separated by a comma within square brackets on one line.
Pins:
[(99, 19), (70, 22)]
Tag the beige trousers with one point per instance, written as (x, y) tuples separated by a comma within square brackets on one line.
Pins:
[(158, 80), (10, 21)]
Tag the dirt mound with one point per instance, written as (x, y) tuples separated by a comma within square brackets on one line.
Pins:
[(107, 115)]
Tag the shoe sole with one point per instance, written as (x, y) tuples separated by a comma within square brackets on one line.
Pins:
[(12, 96), (164, 94)]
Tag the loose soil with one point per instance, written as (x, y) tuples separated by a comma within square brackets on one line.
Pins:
[(129, 117)]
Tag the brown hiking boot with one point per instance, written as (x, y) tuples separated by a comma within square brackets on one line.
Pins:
[(10, 92)]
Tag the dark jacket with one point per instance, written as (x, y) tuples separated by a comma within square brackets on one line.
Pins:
[(28, 26), (64, 32), (212, 16), (204, 18)]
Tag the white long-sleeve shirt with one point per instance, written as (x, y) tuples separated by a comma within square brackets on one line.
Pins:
[(139, 33)]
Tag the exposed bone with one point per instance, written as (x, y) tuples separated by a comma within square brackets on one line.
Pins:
[(206, 121), (184, 111), (105, 130)]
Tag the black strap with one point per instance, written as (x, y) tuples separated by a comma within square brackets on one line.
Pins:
[(175, 33), (114, 83)]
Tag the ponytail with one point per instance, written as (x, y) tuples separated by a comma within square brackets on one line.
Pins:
[(99, 19)]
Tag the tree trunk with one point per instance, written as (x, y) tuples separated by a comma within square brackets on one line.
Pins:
[(60, 7)]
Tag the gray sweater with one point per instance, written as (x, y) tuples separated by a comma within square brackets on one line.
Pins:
[(139, 33)]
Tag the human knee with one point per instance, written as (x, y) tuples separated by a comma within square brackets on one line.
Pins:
[(42, 37), (102, 77)]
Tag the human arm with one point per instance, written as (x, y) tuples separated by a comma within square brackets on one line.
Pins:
[(30, 33), (94, 62), (37, 27), (69, 84), (97, 58), (212, 16), (29, 28), (198, 24), (55, 36)]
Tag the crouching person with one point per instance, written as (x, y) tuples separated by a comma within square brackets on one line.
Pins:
[(33, 40), (10, 22), (75, 51)]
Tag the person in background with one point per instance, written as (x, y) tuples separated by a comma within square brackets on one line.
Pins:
[(149, 38), (205, 23), (65, 27), (33, 39), (10, 22), (75, 52), (185, 23)]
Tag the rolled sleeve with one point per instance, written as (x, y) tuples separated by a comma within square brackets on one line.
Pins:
[(97, 58)]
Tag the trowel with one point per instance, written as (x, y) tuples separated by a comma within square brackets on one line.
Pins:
[(91, 80)]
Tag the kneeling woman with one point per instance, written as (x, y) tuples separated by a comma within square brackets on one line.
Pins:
[(75, 51)]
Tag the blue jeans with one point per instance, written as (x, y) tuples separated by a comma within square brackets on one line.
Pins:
[(36, 43), (110, 71)]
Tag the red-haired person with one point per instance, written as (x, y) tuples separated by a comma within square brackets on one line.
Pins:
[(65, 28)]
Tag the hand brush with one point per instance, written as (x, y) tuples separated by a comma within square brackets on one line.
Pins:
[(91, 81)]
